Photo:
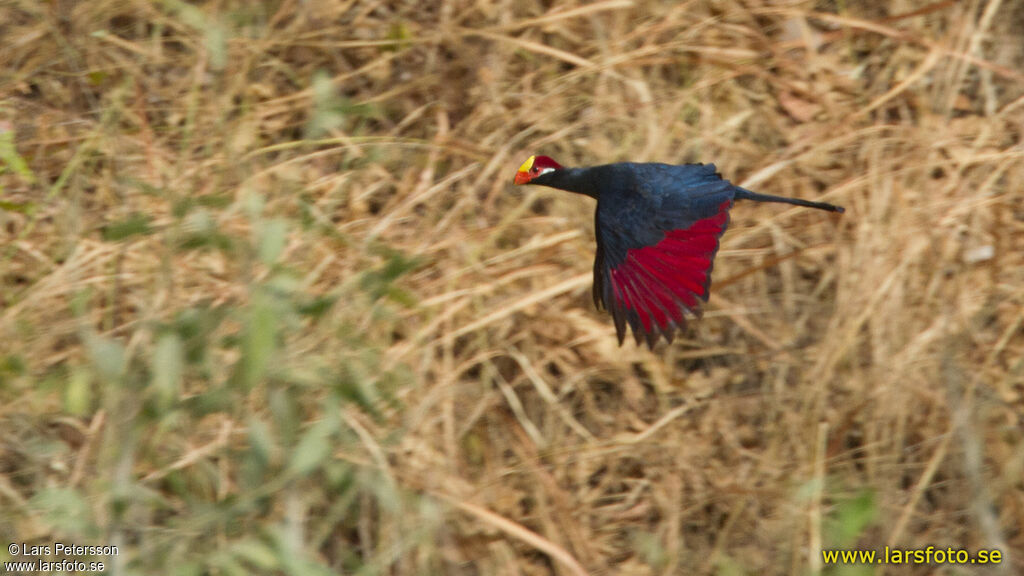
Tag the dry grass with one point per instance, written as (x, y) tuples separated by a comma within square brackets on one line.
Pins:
[(270, 304)]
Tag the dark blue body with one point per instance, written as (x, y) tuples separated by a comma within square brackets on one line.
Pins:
[(638, 203), (657, 228)]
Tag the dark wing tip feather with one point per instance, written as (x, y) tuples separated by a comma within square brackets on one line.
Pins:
[(654, 287)]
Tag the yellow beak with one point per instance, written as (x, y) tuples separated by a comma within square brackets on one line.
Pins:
[(523, 175)]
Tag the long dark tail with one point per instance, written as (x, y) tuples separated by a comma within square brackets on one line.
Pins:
[(744, 194)]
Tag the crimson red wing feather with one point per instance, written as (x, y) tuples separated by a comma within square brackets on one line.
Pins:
[(674, 274), (680, 272), (654, 286)]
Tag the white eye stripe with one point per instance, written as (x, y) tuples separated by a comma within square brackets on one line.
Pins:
[(546, 170)]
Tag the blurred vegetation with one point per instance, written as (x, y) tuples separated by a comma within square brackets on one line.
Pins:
[(270, 305)]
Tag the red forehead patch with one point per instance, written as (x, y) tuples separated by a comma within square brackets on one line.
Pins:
[(543, 162)]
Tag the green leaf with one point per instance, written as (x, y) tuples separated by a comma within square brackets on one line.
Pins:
[(145, 187), (255, 553), (108, 356), (313, 448), (325, 115), (260, 439), (316, 307), (378, 283), (134, 225), (253, 204), (9, 157), (200, 231), (330, 110), (13, 365), (64, 509), (215, 34), (851, 518), (401, 296), (259, 340), (213, 240), (727, 566), (285, 413), (96, 77), (256, 458), (78, 394), (272, 237), (401, 34), (358, 385), (187, 568), (20, 207), (168, 368)]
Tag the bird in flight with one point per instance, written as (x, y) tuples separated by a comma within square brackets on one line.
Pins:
[(657, 228)]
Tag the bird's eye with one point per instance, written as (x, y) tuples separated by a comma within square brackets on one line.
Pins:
[(535, 169)]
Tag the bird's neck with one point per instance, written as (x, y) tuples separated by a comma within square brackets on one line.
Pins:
[(578, 180)]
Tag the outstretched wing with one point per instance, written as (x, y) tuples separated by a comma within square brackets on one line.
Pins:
[(657, 246)]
